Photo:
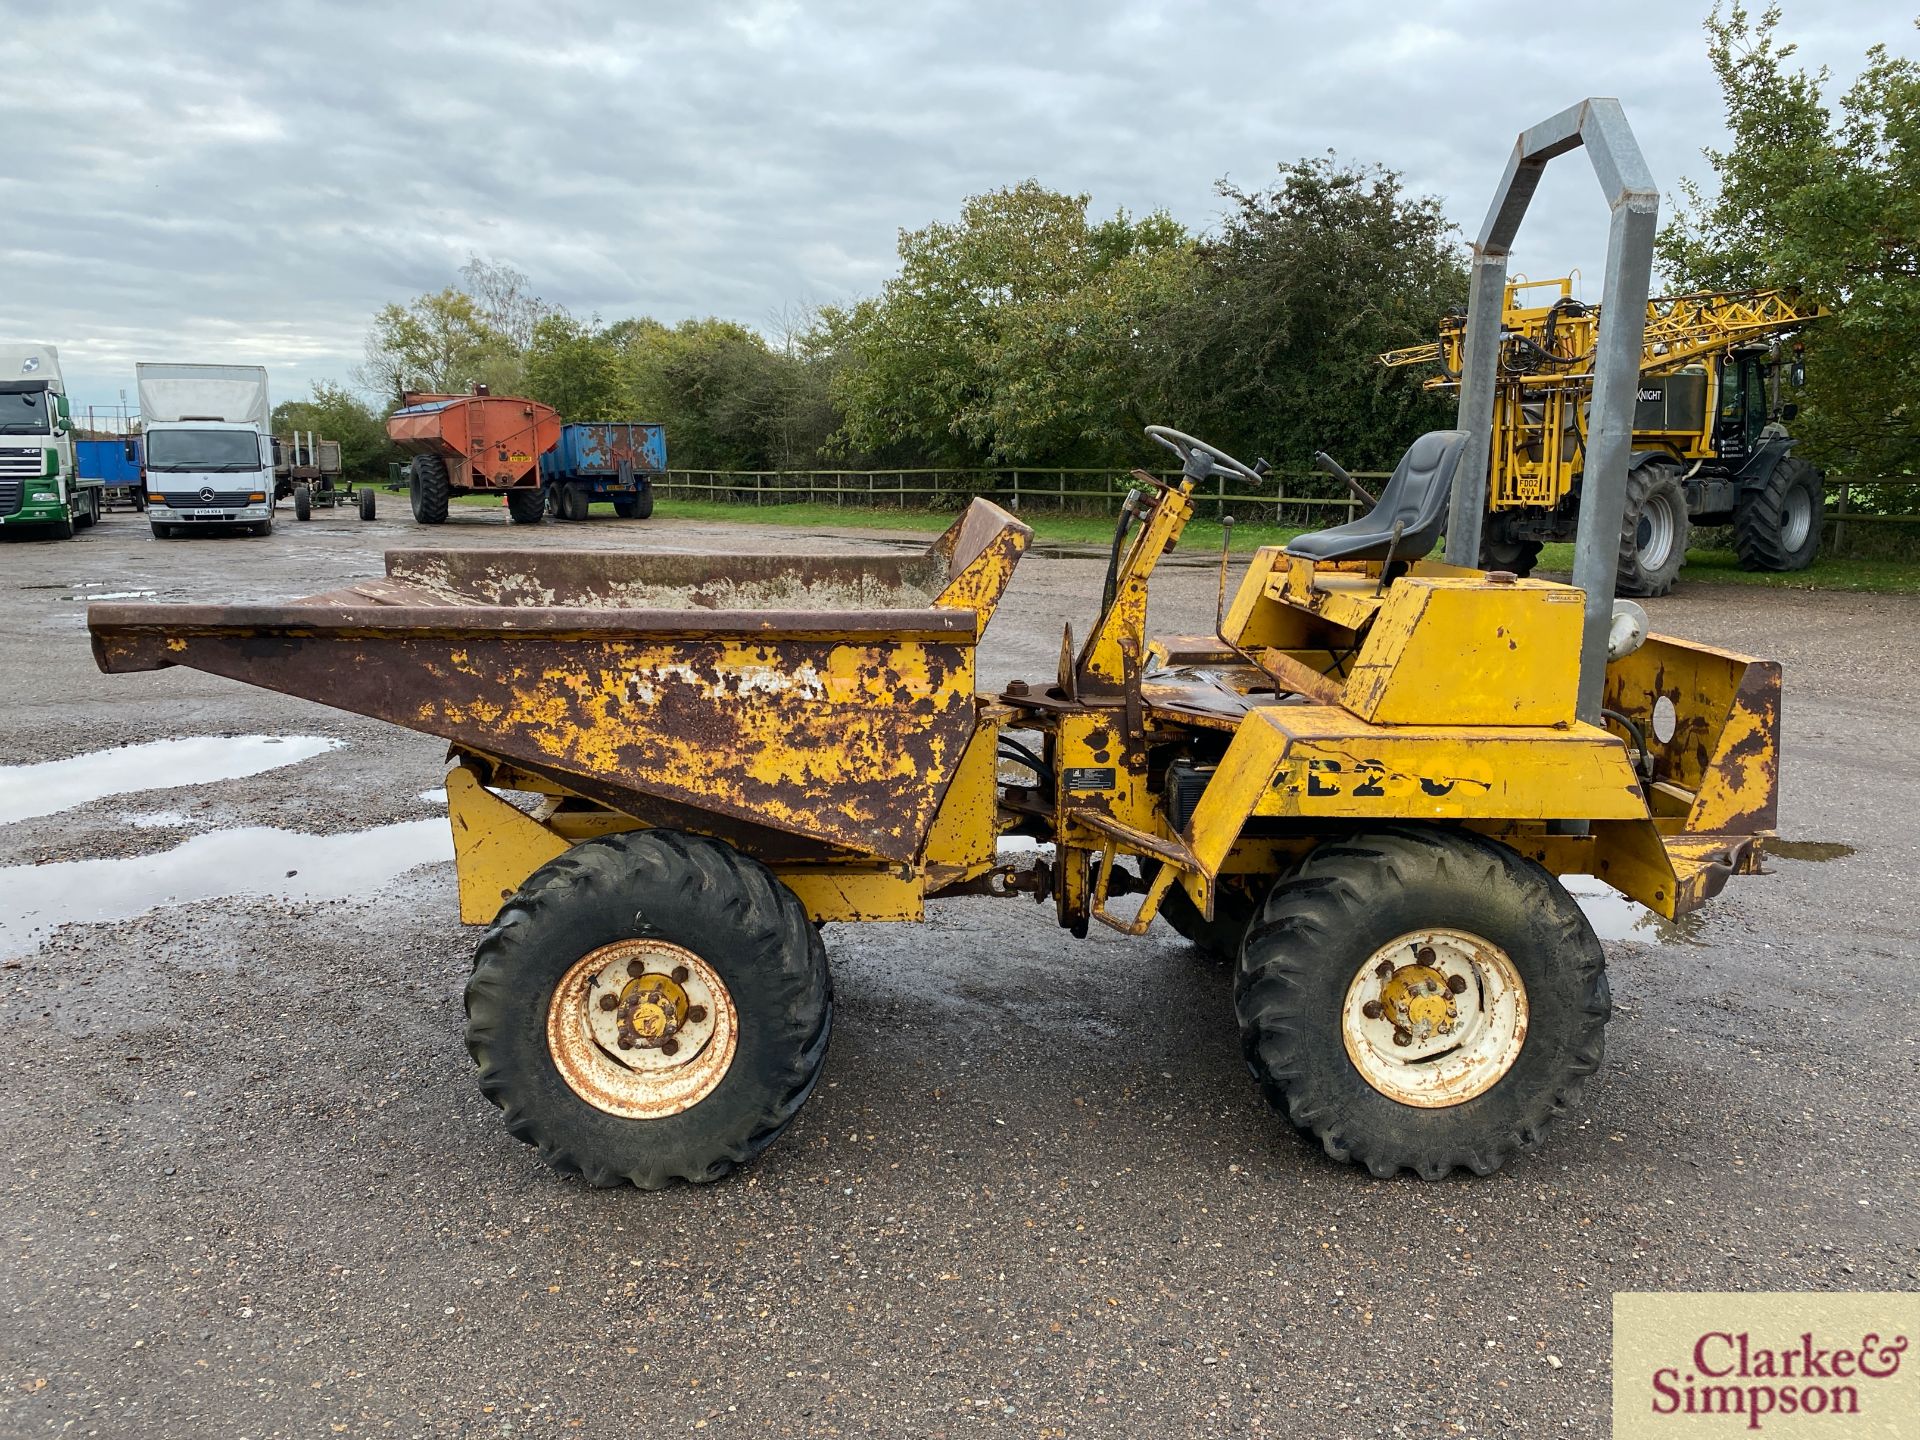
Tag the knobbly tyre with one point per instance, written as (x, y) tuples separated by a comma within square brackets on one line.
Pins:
[(1364, 787)]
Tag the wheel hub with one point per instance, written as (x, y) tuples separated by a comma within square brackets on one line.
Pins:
[(1435, 1018), (642, 1028)]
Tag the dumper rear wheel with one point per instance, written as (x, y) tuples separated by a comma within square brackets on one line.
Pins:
[(526, 506), (650, 1007), (1422, 999), (635, 507), (427, 488)]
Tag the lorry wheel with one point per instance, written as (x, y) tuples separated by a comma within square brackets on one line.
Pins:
[(427, 488), (1422, 999), (1654, 530), (1776, 526), (86, 516), (574, 503), (62, 529), (650, 1007), (526, 506), (161, 532), (635, 507), (366, 504), (260, 527), (302, 503)]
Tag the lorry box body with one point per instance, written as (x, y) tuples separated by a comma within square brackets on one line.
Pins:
[(209, 450)]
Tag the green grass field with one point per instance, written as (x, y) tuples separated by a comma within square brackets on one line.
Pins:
[(1885, 576)]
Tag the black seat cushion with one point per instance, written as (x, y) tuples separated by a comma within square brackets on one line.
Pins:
[(1416, 496)]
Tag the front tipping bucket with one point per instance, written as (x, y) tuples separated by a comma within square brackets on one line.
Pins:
[(795, 706)]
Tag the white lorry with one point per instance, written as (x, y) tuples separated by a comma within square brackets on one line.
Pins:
[(40, 486), (208, 437)]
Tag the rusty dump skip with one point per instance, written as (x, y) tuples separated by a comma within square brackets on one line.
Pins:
[(797, 706)]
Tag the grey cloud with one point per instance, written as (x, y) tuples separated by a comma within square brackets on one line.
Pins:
[(250, 182)]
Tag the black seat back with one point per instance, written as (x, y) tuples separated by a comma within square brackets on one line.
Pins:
[(1416, 496)]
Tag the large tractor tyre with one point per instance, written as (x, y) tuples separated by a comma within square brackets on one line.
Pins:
[(638, 506), (650, 1007), (1776, 526), (367, 504), (1421, 999), (427, 489), (1654, 530), (526, 506), (1221, 937), (1515, 556), (302, 503)]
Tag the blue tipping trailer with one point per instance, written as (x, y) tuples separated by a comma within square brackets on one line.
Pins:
[(116, 465), (604, 460)]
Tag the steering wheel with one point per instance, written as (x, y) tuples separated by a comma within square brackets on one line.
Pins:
[(1187, 448)]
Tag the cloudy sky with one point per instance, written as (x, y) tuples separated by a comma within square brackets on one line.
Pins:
[(248, 182)]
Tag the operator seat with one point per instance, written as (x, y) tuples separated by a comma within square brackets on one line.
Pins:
[(1416, 496)]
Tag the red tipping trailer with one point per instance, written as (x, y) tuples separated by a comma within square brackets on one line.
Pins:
[(474, 444)]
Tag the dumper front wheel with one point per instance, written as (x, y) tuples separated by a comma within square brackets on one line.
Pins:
[(427, 488), (1423, 1000), (650, 1007)]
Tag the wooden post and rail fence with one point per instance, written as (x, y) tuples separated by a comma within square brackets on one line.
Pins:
[(1308, 499)]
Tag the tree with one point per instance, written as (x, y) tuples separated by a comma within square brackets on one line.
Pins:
[(334, 412), (571, 366), (439, 342), (1012, 335), (504, 302), (1272, 350), (1827, 205)]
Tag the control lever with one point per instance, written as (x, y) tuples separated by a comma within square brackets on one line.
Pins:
[(1333, 467)]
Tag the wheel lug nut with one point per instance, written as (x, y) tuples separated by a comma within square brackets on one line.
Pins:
[(1384, 970), (679, 974), (1424, 954), (626, 1042), (696, 1014), (635, 969), (1457, 984), (609, 1002), (669, 1046), (1403, 1037), (1373, 1009)]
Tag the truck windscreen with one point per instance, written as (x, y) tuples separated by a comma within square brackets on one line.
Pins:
[(202, 450), (23, 411)]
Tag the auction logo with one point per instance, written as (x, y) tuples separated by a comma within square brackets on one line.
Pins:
[(1784, 1365)]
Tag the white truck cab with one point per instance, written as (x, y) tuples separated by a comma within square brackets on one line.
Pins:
[(208, 447)]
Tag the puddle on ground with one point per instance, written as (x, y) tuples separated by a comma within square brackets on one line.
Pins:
[(432, 797), (159, 820), (1615, 917), (256, 862), (113, 595), (27, 791), (1814, 850)]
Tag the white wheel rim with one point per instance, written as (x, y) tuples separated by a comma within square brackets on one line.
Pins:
[(1654, 535), (1435, 1018), (1797, 520), (673, 1013)]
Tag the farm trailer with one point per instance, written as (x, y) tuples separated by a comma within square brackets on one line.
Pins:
[(474, 444), (604, 460)]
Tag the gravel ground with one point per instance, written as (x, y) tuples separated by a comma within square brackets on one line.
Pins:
[(253, 1190)]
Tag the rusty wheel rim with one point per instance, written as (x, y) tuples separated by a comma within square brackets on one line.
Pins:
[(663, 1043), (1435, 1018)]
